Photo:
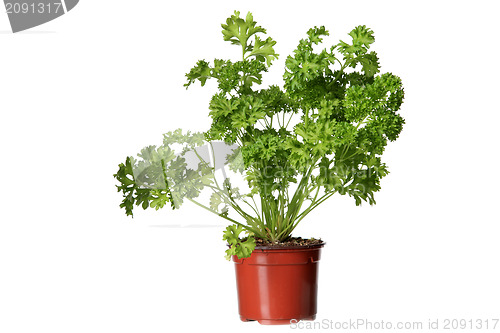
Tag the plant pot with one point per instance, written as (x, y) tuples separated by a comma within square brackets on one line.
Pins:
[(276, 285)]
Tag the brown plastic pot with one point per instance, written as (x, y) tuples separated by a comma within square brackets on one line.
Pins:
[(276, 285)]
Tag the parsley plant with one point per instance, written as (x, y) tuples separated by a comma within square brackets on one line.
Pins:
[(322, 133)]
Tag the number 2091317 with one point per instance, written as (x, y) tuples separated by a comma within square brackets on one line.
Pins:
[(33, 8)]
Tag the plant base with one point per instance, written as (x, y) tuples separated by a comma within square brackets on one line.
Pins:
[(275, 321), (277, 285)]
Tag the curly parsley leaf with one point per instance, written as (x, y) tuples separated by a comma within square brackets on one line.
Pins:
[(238, 31), (242, 248)]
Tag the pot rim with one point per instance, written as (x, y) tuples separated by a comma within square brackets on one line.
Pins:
[(290, 247)]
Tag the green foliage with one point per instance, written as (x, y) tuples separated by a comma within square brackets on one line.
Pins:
[(323, 133), (237, 246), (238, 31), (159, 176)]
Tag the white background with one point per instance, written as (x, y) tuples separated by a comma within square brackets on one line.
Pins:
[(80, 93)]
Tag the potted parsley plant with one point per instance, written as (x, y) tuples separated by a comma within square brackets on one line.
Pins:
[(322, 133)]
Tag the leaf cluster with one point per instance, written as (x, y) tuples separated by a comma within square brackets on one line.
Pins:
[(241, 247), (160, 176)]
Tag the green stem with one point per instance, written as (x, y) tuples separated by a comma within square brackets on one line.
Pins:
[(216, 213), (310, 208)]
